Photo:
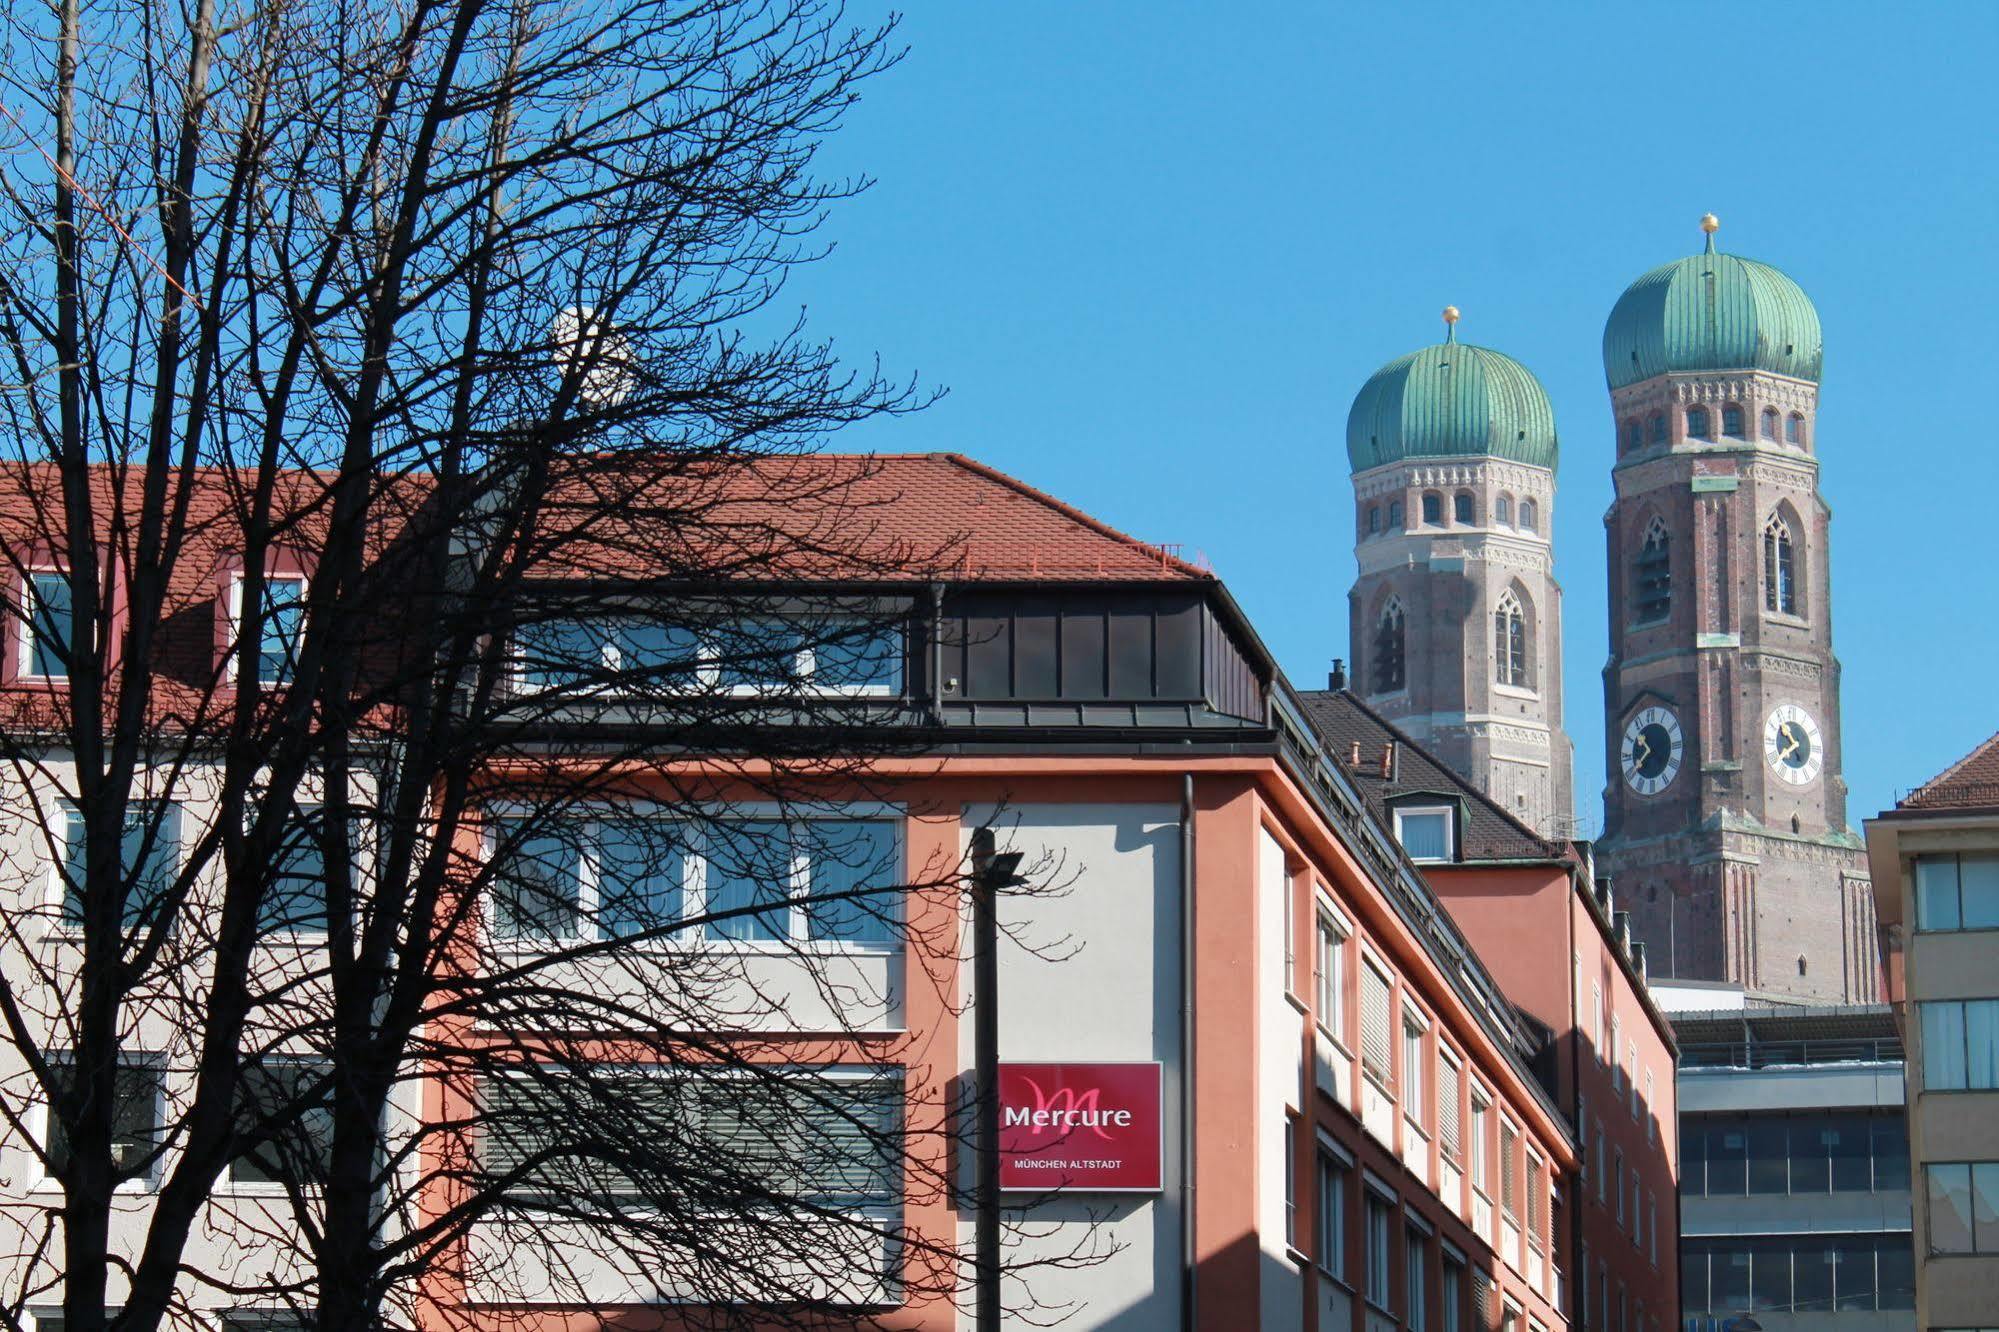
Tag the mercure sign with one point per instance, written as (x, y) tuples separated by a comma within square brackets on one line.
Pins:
[(1093, 1127)]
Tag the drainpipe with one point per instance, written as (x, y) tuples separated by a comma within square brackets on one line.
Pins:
[(1189, 1276)]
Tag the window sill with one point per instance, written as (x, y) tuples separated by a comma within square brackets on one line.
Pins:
[(1330, 1035), (517, 950), (1516, 691), (1788, 621), (1304, 1010)]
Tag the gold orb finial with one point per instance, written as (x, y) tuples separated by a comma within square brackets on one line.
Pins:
[(1710, 223), (1450, 314)]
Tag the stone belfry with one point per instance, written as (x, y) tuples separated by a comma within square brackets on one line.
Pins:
[(1455, 617), (1724, 810)]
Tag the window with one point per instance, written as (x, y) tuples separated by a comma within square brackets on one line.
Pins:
[(1652, 1227), (1617, 1054), (1537, 1204), (284, 1123), (1596, 993), (136, 1119), (1652, 574), (46, 612), (1697, 423), (1291, 1181), (1509, 1170), (1433, 509), (821, 655), (1330, 1221), (1636, 1220), (295, 898), (1731, 421), (1817, 1274), (149, 858), (1412, 1066), (622, 874), (1450, 1091), (1481, 1112), (825, 1137), (1395, 515), (1634, 435), (1602, 1159), (1655, 429), (1651, 1111), (1425, 831), (1780, 582), (1461, 509), (1509, 641), (1416, 1275), (1330, 966), (1960, 1045), (1957, 892), (1529, 516), (1794, 429), (1377, 1237), (279, 626), (1388, 657), (1617, 1180), (1452, 1306), (1374, 1017), (1502, 511), (1373, 519), (1769, 430)]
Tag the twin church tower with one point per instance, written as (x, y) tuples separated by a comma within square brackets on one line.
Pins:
[(1724, 810)]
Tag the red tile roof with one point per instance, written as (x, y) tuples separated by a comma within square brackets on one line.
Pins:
[(1970, 783), (899, 517)]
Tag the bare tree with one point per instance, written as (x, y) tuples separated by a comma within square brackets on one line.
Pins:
[(433, 629)]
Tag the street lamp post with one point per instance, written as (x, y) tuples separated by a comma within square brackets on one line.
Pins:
[(992, 870)]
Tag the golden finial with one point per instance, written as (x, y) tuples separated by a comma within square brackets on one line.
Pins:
[(1710, 223), (1450, 323)]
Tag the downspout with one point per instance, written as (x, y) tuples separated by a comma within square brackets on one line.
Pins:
[(1189, 1275), (936, 690)]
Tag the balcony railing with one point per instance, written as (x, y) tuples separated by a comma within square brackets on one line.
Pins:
[(1765, 1054)]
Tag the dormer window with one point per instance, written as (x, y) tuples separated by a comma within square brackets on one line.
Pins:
[(750, 656), (279, 628), (1425, 832), (46, 606)]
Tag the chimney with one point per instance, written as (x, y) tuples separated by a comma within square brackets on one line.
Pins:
[(1390, 756), (1336, 679), (1353, 757), (1621, 928), (1638, 959)]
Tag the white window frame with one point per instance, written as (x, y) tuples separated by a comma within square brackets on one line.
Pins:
[(1479, 1150), (227, 1183), (38, 1118), (694, 881), (1411, 1082), (57, 839), (235, 646), (1334, 1024), (30, 607), (1448, 814)]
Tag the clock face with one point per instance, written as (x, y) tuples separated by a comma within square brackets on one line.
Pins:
[(1652, 749), (1792, 744)]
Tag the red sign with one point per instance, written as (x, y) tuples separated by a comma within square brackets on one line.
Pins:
[(1092, 1127)]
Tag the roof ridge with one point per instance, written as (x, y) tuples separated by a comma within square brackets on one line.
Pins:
[(1069, 511)]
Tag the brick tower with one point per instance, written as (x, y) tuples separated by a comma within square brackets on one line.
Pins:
[(1455, 616), (1724, 809)]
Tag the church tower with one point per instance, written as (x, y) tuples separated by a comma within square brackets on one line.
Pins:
[(1455, 617), (1725, 813)]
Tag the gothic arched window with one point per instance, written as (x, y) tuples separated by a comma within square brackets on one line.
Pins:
[(1373, 519), (1655, 433), (1529, 516), (1634, 434), (1769, 423), (1794, 429), (1509, 641), (1389, 662), (1502, 511), (1731, 422), (1697, 426), (1780, 567), (1652, 575), (1433, 508), (1461, 509), (1395, 515)]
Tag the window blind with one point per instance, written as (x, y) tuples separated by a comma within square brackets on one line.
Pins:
[(1376, 1044), (1448, 1075)]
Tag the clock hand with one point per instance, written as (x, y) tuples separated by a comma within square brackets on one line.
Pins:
[(1644, 747)]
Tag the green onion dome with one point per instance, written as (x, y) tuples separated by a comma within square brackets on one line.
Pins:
[(1452, 400), (1712, 311)]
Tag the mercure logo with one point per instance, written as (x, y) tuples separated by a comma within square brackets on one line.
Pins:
[(1065, 1109)]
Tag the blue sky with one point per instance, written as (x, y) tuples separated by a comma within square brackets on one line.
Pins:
[(1152, 249)]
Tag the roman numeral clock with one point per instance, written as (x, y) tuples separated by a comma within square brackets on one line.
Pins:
[(1652, 749)]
